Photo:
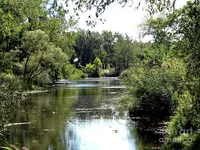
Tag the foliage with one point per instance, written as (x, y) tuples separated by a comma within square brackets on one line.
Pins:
[(4, 145), (148, 96), (184, 123), (88, 46), (31, 51), (170, 67), (98, 64), (72, 73), (90, 68), (11, 100), (113, 49), (29, 31), (162, 77), (41, 55), (125, 50), (95, 69)]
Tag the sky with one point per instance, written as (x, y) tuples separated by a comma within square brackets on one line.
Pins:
[(123, 20)]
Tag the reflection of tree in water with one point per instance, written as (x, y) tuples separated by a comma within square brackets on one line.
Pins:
[(148, 135), (87, 114), (47, 114), (95, 96), (84, 102), (72, 137), (10, 102), (86, 98)]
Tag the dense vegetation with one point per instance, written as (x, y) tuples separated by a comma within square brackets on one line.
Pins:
[(164, 85), (37, 48)]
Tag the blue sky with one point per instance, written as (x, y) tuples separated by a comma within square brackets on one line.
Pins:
[(123, 20)]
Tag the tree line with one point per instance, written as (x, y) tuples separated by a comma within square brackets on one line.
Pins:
[(36, 47)]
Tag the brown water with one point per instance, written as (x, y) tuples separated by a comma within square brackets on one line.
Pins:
[(78, 116)]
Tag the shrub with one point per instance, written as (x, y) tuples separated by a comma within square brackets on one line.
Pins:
[(95, 69), (184, 125), (151, 90), (4, 145), (72, 73), (153, 95)]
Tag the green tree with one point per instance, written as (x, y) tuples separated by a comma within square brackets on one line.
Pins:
[(125, 52), (88, 46), (108, 46), (95, 69), (41, 55)]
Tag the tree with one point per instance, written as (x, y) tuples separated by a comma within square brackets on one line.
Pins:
[(98, 64), (125, 52), (108, 46), (16, 17), (88, 46), (41, 55), (95, 69), (188, 47)]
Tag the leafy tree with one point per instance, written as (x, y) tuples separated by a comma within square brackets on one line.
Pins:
[(108, 46), (72, 73), (34, 49), (41, 55), (115, 51), (66, 42), (123, 53), (188, 47), (98, 64), (95, 69), (90, 68), (88, 46)]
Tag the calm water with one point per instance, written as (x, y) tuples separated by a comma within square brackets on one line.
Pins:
[(79, 116)]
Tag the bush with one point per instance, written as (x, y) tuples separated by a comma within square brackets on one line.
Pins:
[(153, 95), (151, 90), (4, 145), (90, 68), (42, 80), (11, 99), (184, 125), (125, 76), (72, 73), (95, 69)]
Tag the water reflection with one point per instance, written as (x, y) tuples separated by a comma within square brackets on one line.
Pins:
[(99, 134), (73, 117)]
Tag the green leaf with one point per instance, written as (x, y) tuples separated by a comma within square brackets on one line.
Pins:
[(6, 148)]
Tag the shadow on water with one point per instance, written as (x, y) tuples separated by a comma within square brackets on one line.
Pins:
[(79, 116)]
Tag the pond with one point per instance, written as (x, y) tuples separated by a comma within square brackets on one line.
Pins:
[(77, 116)]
